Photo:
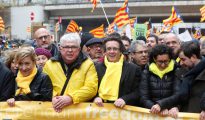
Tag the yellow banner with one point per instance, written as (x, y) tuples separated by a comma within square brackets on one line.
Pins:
[(84, 111)]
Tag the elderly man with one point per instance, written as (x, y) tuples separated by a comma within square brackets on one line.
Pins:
[(43, 40), (118, 79), (73, 75), (139, 53), (95, 49), (172, 41)]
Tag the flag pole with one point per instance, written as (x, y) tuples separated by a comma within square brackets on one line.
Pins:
[(104, 13)]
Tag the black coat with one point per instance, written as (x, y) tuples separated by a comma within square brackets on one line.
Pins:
[(41, 89), (54, 50), (129, 82), (7, 83), (154, 90), (193, 88)]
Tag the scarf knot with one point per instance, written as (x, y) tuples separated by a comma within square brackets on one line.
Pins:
[(23, 83)]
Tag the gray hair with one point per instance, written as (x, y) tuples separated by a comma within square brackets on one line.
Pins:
[(135, 44), (71, 37)]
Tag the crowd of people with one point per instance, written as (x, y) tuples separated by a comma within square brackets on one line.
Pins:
[(161, 73)]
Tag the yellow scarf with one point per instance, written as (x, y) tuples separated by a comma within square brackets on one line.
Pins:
[(24, 82), (178, 60), (153, 68), (109, 86)]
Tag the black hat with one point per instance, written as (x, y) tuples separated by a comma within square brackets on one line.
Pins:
[(93, 41), (85, 37)]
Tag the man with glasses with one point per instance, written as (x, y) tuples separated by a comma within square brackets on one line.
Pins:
[(139, 53), (73, 75), (95, 49), (118, 79), (43, 40)]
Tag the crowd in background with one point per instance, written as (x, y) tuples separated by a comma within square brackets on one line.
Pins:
[(160, 73)]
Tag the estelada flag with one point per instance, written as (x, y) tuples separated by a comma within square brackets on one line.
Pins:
[(72, 27), (173, 19), (122, 16)]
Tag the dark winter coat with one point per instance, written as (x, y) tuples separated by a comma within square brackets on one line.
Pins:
[(41, 89), (7, 83), (154, 90), (129, 82), (193, 89)]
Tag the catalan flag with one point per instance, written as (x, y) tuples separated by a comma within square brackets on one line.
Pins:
[(133, 21), (173, 19), (202, 10), (110, 28), (98, 32), (2, 27), (72, 27), (94, 2), (167, 28), (122, 17)]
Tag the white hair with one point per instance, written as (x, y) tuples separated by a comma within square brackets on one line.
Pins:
[(71, 37), (135, 44)]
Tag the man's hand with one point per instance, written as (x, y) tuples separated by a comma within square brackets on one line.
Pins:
[(98, 101), (155, 109), (174, 112), (202, 115), (119, 103), (164, 112), (11, 102), (61, 101)]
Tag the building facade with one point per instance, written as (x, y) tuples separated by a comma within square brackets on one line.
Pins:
[(17, 13)]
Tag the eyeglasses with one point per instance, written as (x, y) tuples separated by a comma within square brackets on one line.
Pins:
[(114, 49), (141, 52), (166, 62), (70, 47), (45, 37), (96, 46)]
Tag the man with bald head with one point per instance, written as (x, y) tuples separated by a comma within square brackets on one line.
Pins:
[(43, 40), (172, 41)]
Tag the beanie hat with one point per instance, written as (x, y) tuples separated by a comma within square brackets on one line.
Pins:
[(43, 51)]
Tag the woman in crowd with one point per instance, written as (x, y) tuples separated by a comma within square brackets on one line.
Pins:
[(9, 60), (159, 87), (43, 55), (31, 83)]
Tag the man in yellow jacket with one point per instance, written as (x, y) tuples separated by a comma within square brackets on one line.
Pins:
[(73, 75)]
